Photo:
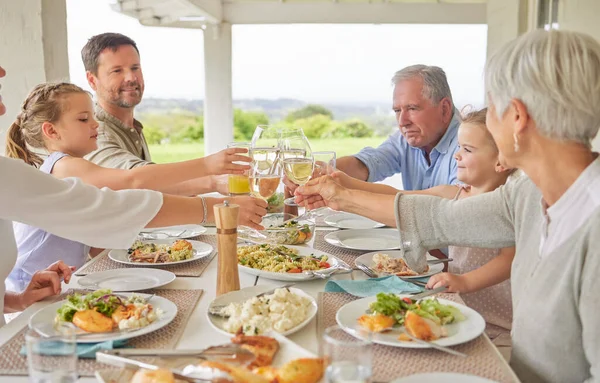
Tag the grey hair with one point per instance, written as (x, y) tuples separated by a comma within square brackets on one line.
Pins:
[(435, 83), (556, 74)]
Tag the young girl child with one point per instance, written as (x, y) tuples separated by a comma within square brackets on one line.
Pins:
[(480, 275), (60, 119)]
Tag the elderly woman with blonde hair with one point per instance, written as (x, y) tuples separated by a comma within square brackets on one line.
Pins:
[(544, 111)]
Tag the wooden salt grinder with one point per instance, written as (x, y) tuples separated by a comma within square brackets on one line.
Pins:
[(226, 218)]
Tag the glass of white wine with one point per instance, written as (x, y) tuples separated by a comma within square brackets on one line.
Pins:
[(265, 173), (296, 157)]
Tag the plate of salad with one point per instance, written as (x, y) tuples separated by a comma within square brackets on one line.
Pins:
[(101, 315), (386, 317), (286, 263)]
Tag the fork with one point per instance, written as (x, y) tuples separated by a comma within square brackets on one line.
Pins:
[(157, 234)]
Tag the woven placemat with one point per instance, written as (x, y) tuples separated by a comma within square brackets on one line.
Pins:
[(345, 255), (188, 269), (13, 363), (395, 362)]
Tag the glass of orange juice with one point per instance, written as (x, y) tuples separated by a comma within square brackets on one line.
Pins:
[(238, 183)]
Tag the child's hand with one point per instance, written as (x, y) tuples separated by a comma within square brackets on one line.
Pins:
[(223, 162), (455, 283)]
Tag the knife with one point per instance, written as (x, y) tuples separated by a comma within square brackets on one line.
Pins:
[(135, 364), (427, 293), (216, 309)]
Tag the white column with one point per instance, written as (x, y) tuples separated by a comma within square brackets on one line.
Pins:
[(33, 42), (581, 16), (218, 98)]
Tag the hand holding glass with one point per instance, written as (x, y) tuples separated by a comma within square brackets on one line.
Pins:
[(238, 183)]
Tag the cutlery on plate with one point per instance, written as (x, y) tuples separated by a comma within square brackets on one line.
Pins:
[(436, 261), (324, 274), (158, 234), (217, 309), (427, 293), (232, 352), (434, 345), (119, 361), (367, 270)]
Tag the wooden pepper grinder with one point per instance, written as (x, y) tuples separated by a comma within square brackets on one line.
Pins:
[(226, 219)]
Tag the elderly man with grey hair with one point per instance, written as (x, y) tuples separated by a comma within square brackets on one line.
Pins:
[(544, 111), (423, 148)]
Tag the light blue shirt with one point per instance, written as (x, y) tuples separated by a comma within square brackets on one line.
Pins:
[(39, 249), (395, 155)]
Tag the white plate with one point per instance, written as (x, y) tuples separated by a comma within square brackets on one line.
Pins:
[(44, 318), (351, 221), (367, 259), (302, 250), (287, 352), (132, 279), (173, 232), (370, 239), (201, 250), (442, 377), (459, 332), (218, 323)]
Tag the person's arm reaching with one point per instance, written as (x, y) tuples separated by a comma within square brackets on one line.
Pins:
[(111, 155), (427, 222), (97, 217), (353, 167), (383, 161), (155, 177), (495, 271)]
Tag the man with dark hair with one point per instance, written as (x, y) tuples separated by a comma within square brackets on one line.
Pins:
[(113, 70)]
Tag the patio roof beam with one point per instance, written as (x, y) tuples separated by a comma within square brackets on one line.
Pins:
[(267, 12), (212, 10)]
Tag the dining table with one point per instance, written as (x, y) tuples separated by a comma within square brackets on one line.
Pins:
[(198, 333)]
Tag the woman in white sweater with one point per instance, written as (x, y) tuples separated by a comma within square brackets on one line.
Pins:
[(544, 111), (74, 210)]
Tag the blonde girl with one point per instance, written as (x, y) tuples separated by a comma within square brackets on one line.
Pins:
[(59, 118)]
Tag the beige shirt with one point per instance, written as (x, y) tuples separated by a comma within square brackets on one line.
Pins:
[(119, 146)]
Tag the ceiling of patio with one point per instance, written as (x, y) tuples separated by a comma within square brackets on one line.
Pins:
[(199, 13)]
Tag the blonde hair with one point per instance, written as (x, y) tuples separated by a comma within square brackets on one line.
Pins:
[(478, 118), (556, 74), (45, 103)]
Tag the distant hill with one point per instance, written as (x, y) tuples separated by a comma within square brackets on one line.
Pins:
[(275, 109)]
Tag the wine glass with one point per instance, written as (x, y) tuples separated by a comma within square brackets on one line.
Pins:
[(324, 163), (265, 172), (265, 136), (296, 157)]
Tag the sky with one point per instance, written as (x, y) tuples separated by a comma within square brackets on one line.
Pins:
[(314, 63)]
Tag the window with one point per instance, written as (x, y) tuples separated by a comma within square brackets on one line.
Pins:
[(547, 16)]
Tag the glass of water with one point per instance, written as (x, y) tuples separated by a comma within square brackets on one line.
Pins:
[(348, 358), (52, 355)]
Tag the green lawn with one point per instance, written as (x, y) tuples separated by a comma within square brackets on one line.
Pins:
[(181, 152)]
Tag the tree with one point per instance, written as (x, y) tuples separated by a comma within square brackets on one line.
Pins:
[(245, 123), (154, 135), (349, 128), (314, 126), (309, 111)]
